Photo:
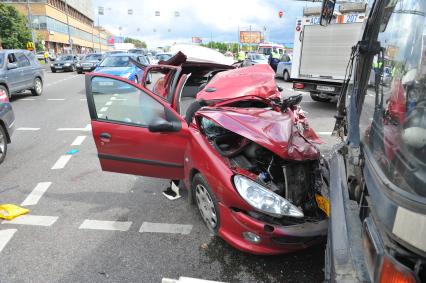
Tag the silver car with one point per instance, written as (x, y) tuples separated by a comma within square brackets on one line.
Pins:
[(19, 71)]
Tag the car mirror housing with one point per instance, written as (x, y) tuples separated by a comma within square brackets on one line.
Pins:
[(159, 125), (11, 66)]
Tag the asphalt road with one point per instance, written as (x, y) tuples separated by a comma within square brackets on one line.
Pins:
[(59, 242)]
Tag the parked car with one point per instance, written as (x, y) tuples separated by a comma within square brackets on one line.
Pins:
[(247, 158), (161, 57), (253, 59), (7, 121), (88, 63), (19, 71), (119, 65), (284, 67), (64, 63)]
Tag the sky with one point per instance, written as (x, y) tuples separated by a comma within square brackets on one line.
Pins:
[(217, 20)]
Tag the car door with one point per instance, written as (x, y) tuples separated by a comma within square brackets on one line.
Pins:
[(13, 76), (24, 65), (135, 131)]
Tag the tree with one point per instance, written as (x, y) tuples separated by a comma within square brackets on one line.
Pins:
[(138, 43), (14, 31)]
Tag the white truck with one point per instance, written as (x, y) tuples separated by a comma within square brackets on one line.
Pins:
[(321, 54)]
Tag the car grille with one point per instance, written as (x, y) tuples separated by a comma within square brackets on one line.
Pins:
[(58, 65)]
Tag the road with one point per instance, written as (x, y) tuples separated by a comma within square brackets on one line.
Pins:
[(85, 225)]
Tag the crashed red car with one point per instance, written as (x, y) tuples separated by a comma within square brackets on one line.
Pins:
[(248, 159)]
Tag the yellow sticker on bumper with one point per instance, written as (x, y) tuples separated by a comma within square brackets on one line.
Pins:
[(323, 204)]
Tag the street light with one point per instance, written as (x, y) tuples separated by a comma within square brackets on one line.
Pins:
[(68, 24), (30, 19)]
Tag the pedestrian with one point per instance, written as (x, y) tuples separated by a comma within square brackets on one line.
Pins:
[(46, 56)]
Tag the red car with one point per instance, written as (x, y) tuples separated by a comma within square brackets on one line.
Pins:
[(247, 158)]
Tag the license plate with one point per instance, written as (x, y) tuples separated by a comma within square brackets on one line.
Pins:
[(86, 68), (325, 88), (323, 204), (58, 67)]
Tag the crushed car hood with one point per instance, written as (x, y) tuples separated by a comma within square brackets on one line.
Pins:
[(257, 80), (271, 129)]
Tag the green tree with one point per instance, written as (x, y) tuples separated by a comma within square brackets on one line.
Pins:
[(138, 43), (14, 32)]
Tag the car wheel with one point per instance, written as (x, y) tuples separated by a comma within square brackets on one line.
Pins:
[(3, 144), (79, 72), (3, 90), (206, 203), (317, 98), (53, 70), (73, 68), (286, 76), (38, 87)]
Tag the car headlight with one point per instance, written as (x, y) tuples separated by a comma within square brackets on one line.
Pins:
[(67, 64), (51, 65), (78, 64), (263, 199)]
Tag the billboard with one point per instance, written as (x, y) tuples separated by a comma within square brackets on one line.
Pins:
[(115, 39), (251, 37), (196, 39)]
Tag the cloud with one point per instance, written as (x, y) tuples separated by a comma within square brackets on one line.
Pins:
[(218, 20)]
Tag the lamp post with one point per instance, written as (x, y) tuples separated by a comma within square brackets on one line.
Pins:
[(30, 19), (68, 25)]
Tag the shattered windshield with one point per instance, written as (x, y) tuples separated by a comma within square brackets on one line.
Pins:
[(393, 122)]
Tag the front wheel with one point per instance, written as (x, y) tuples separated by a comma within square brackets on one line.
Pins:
[(206, 203), (38, 87), (4, 91), (286, 76), (3, 144)]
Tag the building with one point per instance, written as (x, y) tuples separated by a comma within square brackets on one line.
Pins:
[(50, 20)]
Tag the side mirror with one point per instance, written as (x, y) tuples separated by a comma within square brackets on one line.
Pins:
[(11, 66), (159, 125), (327, 12)]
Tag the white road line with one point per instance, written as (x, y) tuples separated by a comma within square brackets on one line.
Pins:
[(27, 129), (85, 129), (117, 99), (324, 133), (148, 227), (108, 103), (35, 220), (5, 236), (28, 99), (56, 99), (83, 99), (62, 161), (103, 109), (105, 225), (187, 280), (78, 140), (36, 194)]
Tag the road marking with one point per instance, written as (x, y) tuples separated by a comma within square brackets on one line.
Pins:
[(324, 133), (85, 129), (35, 220), (148, 227), (28, 99), (103, 109), (5, 236), (105, 225), (108, 103), (36, 194), (56, 99), (79, 140), (117, 99), (187, 280), (62, 161), (83, 99), (27, 129)]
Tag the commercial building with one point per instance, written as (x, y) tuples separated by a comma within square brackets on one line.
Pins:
[(54, 20)]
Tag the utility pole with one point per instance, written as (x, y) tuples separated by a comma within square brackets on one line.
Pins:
[(68, 24), (100, 12), (30, 19)]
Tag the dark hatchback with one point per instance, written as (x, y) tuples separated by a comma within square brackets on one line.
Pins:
[(89, 63), (7, 121), (64, 63)]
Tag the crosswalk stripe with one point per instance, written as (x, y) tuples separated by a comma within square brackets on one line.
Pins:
[(62, 161), (36, 194), (105, 225), (78, 140), (148, 227), (5, 236), (35, 220)]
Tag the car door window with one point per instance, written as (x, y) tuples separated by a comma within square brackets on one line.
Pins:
[(22, 60), (11, 58), (118, 101), (160, 81)]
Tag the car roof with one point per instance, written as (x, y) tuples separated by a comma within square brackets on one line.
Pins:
[(123, 54)]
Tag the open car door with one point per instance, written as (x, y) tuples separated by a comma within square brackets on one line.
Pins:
[(135, 131)]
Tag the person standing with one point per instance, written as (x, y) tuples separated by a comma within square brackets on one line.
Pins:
[(46, 56)]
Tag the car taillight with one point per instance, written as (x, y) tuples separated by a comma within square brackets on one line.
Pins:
[(298, 86), (393, 272), (3, 96)]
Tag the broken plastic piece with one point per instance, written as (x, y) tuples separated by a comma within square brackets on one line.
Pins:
[(11, 211), (72, 151), (172, 192)]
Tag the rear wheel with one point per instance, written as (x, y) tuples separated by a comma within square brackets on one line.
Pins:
[(315, 97), (3, 144), (286, 76), (3, 90), (206, 203), (38, 87), (79, 72), (53, 70)]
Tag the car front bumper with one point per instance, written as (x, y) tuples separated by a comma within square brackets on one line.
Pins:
[(85, 69), (274, 239)]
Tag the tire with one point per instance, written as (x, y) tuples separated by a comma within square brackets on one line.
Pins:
[(4, 89), (319, 99), (3, 144), (53, 70), (73, 68), (38, 87), (206, 203), (286, 76), (79, 72)]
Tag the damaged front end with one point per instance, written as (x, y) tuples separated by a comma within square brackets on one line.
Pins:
[(276, 164)]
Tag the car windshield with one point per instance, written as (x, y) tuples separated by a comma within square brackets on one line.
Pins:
[(65, 58), (259, 57), (393, 119), (116, 61), (92, 57), (163, 57)]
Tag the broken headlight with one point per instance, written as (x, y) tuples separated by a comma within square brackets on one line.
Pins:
[(263, 199)]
